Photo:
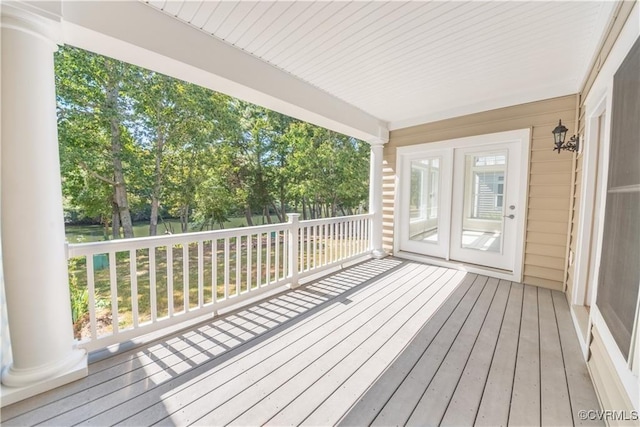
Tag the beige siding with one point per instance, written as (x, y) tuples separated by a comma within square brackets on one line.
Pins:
[(549, 184)]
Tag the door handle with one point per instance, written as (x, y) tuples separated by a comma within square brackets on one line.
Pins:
[(509, 216)]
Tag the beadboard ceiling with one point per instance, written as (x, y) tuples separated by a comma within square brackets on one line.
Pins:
[(413, 62)]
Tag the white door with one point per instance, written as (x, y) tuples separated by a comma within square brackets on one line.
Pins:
[(485, 205), (464, 200), (426, 191)]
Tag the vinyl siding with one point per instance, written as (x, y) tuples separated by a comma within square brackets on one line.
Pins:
[(550, 180)]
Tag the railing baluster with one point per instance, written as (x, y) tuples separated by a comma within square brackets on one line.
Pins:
[(91, 285), (259, 261), (185, 276), (301, 249), (323, 256), (268, 271), (114, 291), (301, 255), (249, 260), (238, 264), (285, 257), (226, 268), (152, 284), (200, 273), (277, 248), (308, 247), (342, 240), (315, 245), (214, 270), (170, 280), (350, 238), (133, 272)]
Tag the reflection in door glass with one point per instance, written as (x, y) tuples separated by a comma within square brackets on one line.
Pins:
[(483, 201), (423, 200)]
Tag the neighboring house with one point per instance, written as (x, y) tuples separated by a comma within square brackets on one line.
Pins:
[(474, 185)]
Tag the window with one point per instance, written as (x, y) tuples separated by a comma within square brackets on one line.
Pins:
[(487, 184), (619, 275)]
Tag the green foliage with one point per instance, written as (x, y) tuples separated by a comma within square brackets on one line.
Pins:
[(79, 296), (190, 153)]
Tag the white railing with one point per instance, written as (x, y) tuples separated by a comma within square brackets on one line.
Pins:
[(137, 286)]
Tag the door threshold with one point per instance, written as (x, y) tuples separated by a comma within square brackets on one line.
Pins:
[(471, 268)]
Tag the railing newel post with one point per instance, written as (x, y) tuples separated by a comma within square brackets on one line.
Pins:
[(294, 229)]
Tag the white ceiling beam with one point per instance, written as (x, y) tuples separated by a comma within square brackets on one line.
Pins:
[(135, 33)]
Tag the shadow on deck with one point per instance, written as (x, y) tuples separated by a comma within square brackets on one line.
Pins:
[(382, 342)]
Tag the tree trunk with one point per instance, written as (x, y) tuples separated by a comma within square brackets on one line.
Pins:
[(248, 216), (283, 208), (115, 229), (120, 188), (268, 214), (184, 219), (304, 209), (157, 186), (105, 224), (342, 210)]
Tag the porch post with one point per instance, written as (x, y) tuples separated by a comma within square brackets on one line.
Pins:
[(375, 197), (33, 239)]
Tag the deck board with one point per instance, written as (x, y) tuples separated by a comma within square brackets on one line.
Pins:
[(463, 405), (382, 342), (435, 399), (525, 398), (581, 392), (496, 398), (555, 405), (403, 401), (367, 407), (376, 329)]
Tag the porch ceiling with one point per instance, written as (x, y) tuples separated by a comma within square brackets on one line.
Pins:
[(413, 62)]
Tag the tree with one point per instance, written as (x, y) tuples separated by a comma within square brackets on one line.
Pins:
[(135, 144), (91, 112)]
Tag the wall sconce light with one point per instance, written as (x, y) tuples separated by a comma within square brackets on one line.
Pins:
[(559, 135)]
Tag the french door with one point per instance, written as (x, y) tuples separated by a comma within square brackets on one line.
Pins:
[(464, 200)]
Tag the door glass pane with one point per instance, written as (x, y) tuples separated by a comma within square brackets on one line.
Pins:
[(483, 201), (423, 200)]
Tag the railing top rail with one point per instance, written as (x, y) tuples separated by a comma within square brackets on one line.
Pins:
[(79, 249), (335, 219)]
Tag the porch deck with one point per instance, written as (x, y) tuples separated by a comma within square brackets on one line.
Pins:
[(384, 342)]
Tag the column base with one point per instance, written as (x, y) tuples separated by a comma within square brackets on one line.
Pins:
[(24, 386), (379, 253)]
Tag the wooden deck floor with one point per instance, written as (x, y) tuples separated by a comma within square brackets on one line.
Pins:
[(385, 342)]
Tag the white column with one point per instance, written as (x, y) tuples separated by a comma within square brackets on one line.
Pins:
[(375, 198), (33, 239)]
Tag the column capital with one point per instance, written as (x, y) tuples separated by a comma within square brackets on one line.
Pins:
[(21, 16), (377, 141)]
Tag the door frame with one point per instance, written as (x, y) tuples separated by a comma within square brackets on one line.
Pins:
[(521, 136)]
